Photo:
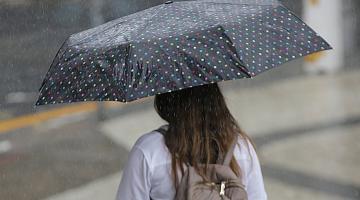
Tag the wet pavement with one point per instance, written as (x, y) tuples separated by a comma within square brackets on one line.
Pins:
[(308, 146), (48, 159), (306, 127)]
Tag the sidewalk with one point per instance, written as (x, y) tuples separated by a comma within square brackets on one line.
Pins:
[(307, 130)]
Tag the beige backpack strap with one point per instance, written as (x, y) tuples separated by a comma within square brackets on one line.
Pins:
[(229, 154), (162, 129)]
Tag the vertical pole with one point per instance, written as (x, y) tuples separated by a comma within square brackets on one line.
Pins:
[(326, 18)]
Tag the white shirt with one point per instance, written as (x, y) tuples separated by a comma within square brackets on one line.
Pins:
[(147, 172)]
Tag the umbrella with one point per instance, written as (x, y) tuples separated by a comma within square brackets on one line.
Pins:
[(176, 45)]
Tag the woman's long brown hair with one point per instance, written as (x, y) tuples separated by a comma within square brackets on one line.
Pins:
[(200, 129)]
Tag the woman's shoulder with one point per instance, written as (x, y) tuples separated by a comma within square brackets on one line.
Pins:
[(244, 149), (149, 140), (152, 145)]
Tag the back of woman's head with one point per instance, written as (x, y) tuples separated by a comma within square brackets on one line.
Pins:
[(200, 126)]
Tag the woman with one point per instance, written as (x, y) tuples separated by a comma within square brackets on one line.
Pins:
[(200, 127)]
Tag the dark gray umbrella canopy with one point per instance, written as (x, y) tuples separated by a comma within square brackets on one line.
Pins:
[(174, 46)]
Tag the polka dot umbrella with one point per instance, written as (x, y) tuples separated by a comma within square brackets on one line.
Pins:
[(176, 45)]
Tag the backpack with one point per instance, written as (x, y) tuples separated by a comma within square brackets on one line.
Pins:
[(223, 184)]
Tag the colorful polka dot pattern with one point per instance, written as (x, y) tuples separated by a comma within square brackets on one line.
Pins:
[(174, 46)]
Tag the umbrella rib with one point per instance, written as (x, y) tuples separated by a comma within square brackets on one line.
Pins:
[(242, 67)]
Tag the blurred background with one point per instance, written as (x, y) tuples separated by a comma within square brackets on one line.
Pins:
[(304, 116)]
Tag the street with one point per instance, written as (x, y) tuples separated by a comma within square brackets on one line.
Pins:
[(57, 159)]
